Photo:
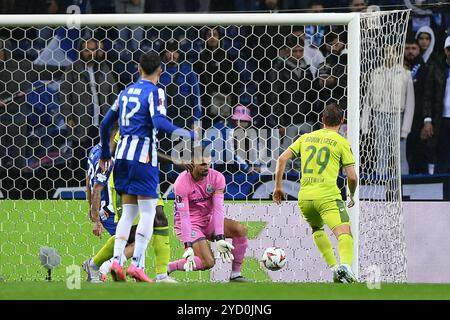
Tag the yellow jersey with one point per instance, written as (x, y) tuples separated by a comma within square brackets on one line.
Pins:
[(322, 154)]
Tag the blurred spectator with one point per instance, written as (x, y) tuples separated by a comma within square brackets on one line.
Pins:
[(434, 88), (217, 78), (88, 90), (46, 127), (379, 114), (334, 71), (182, 87), (441, 101), (425, 38), (424, 15), (357, 5), (316, 33), (16, 82), (289, 100), (312, 54), (417, 149), (235, 148)]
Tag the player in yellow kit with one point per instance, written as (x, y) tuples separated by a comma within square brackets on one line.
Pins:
[(322, 153)]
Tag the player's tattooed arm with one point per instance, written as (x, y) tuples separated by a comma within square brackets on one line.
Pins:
[(97, 227), (164, 158)]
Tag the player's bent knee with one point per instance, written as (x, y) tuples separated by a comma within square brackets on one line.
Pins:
[(208, 262), (242, 230)]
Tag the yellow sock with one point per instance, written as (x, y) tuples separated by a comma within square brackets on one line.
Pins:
[(106, 252), (323, 243), (345, 248), (161, 245)]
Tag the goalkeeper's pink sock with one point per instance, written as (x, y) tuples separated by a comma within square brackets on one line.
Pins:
[(240, 245), (179, 265)]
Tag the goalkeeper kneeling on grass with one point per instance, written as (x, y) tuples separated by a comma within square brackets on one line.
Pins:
[(199, 217)]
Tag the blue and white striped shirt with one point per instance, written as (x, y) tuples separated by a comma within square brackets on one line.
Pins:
[(102, 178), (137, 105)]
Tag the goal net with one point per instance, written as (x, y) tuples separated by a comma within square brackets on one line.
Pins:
[(253, 82)]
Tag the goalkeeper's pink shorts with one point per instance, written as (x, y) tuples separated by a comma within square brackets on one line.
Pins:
[(198, 232)]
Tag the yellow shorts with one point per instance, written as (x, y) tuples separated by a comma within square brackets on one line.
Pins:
[(333, 213)]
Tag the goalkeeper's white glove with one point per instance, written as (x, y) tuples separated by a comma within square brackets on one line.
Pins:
[(189, 256), (225, 248), (351, 203)]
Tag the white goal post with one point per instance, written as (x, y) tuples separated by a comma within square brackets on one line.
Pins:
[(355, 22)]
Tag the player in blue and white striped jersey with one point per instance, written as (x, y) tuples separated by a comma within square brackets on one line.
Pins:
[(98, 179), (141, 110)]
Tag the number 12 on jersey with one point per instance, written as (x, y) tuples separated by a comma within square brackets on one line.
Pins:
[(127, 116)]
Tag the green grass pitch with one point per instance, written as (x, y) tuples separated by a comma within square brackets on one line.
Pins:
[(25, 226), (221, 291)]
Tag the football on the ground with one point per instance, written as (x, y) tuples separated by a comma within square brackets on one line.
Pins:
[(274, 258)]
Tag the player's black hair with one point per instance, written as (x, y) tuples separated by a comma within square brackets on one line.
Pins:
[(150, 62), (332, 114), (411, 39)]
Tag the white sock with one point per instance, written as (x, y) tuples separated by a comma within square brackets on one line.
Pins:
[(106, 266), (144, 231), (234, 274), (119, 246), (142, 261), (129, 214)]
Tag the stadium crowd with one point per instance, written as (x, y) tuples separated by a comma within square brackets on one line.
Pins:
[(56, 84)]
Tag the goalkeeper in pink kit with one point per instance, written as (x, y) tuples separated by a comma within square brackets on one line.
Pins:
[(199, 217)]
